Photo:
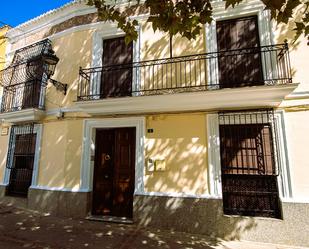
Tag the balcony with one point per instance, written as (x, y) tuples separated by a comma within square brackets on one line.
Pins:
[(259, 76), (23, 101)]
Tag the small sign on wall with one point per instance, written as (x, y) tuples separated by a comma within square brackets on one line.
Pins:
[(4, 131)]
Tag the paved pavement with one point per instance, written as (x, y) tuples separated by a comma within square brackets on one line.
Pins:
[(20, 228)]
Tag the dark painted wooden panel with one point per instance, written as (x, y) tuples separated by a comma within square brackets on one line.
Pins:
[(117, 81), (243, 69)]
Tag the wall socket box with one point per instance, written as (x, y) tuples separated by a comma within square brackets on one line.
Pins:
[(156, 165)]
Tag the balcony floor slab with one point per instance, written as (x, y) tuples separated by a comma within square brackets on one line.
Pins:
[(223, 99)]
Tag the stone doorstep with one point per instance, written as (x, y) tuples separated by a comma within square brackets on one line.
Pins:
[(113, 219)]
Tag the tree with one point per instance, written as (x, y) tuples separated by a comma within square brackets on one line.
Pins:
[(187, 17)]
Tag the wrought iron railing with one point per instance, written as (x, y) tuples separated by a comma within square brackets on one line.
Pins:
[(32, 52), (21, 96), (265, 65), (25, 79)]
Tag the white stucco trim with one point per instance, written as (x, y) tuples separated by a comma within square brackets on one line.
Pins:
[(48, 19), (25, 115), (90, 126), (179, 195), (284, 179), (38, 129), (62, 189), (214, 164)]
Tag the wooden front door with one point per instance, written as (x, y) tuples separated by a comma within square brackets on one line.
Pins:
[(117, 68), (113, 183), (239, 58)]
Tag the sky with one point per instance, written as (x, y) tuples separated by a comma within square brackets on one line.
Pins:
[(15, 12)]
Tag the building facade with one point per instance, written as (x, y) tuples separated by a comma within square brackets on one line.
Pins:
[(3, 44), (211, 141)]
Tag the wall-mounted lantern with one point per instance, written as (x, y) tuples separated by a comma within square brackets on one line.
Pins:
[(51, 60)]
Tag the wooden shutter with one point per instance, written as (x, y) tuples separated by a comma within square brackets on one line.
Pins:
[(117, 68), (241, 67)]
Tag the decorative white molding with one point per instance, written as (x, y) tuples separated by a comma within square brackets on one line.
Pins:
[(57, 111), (245, 97), (179, 195), (39, 131), (61, 189), (26, 115), (214, 164), (90, 126), (296, 200), (49, 19)]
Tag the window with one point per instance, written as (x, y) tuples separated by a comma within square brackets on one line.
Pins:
[(239, 59), (21, 159), (248, 164)]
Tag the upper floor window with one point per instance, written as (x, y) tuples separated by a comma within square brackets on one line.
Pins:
[(239, 60)]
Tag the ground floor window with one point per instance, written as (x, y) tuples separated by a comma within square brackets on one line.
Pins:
[(20, 159), (249, 163)]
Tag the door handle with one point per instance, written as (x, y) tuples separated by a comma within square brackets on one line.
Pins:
[(107, 157)]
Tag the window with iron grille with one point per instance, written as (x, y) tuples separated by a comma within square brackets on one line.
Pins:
[(249, 163), (21, 159)]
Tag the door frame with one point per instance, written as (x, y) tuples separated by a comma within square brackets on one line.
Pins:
[(88, 149)]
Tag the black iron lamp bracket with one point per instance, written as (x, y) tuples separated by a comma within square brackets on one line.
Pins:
[(59, 86)]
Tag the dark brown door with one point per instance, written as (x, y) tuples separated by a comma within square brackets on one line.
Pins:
[(117, 68), (114, 172), (239, 52)]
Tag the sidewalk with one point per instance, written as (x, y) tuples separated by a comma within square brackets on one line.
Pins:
[(21, 228)]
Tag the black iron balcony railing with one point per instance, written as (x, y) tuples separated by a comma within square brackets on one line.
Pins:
[(265, 65), (24, 80), (21, 96)]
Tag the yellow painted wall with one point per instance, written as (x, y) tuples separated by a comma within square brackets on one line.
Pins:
[(298, 137), (4, 141), (156, 45), (61, 154), (3, 44), (299, 52), (181, 141), (74, 51)]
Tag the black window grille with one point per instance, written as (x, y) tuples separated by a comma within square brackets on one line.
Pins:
[(249, 163), (21, 159), (24, 81)]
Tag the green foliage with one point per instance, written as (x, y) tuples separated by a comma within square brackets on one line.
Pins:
[(187, 17), (284, 11)]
